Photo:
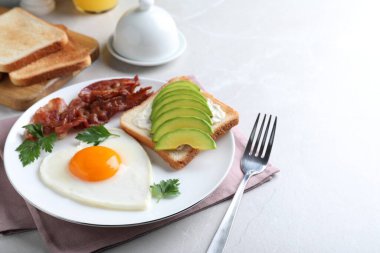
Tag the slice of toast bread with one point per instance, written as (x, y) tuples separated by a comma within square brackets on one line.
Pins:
[(74, 56), (177, 159), (25, 38)]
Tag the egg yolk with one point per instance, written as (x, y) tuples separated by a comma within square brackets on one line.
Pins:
[(95, 163)]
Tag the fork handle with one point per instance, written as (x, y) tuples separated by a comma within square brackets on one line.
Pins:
[(221, 235)]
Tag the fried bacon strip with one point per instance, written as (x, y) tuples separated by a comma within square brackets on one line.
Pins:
[(95, 105)]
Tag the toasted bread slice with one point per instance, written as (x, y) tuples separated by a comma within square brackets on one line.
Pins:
[(25, 38), (177, 159), (74, 56)]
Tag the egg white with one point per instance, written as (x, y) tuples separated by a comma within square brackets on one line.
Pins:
[(128, 189)]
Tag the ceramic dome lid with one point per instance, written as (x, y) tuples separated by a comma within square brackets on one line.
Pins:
[(146, 33)]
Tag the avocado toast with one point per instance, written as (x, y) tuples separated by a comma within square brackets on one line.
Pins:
[(172, 123)]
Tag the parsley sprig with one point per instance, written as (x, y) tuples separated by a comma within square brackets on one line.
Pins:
[(94, 135), (165, 189), (30, 150)]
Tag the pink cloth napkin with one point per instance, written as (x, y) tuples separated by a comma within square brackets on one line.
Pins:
[(61, 236)]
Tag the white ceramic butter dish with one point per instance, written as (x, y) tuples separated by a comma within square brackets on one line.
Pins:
[(146, 36)]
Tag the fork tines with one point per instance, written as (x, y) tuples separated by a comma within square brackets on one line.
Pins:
[(262, 142)]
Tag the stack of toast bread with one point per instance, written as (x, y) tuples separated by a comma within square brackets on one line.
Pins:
[(33, 51)]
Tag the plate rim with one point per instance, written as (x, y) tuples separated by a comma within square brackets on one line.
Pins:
[(13, 128)]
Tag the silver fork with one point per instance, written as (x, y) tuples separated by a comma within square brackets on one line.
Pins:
[(254, 161)]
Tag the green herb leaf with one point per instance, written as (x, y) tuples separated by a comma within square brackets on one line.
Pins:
[(95, 135), (28, 152), (165, 189), (35, 130), (47, 142)]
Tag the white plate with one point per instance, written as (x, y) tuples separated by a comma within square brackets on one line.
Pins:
[(198, 179), (175, 55)]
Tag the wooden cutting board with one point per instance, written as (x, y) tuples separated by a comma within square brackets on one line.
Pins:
[(22, 97)]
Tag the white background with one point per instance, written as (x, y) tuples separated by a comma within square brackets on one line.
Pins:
[(314, 64)]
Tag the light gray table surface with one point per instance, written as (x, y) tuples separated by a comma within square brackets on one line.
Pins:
[(314, 64)]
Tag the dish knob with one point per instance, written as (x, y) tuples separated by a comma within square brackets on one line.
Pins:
[(145, 4)]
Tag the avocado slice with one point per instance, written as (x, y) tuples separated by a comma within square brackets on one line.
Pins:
[(183, 85), (194, 137), (180, 112), (176, 92), (182, 122), (180, 103), (175, 89), (169, 99)]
